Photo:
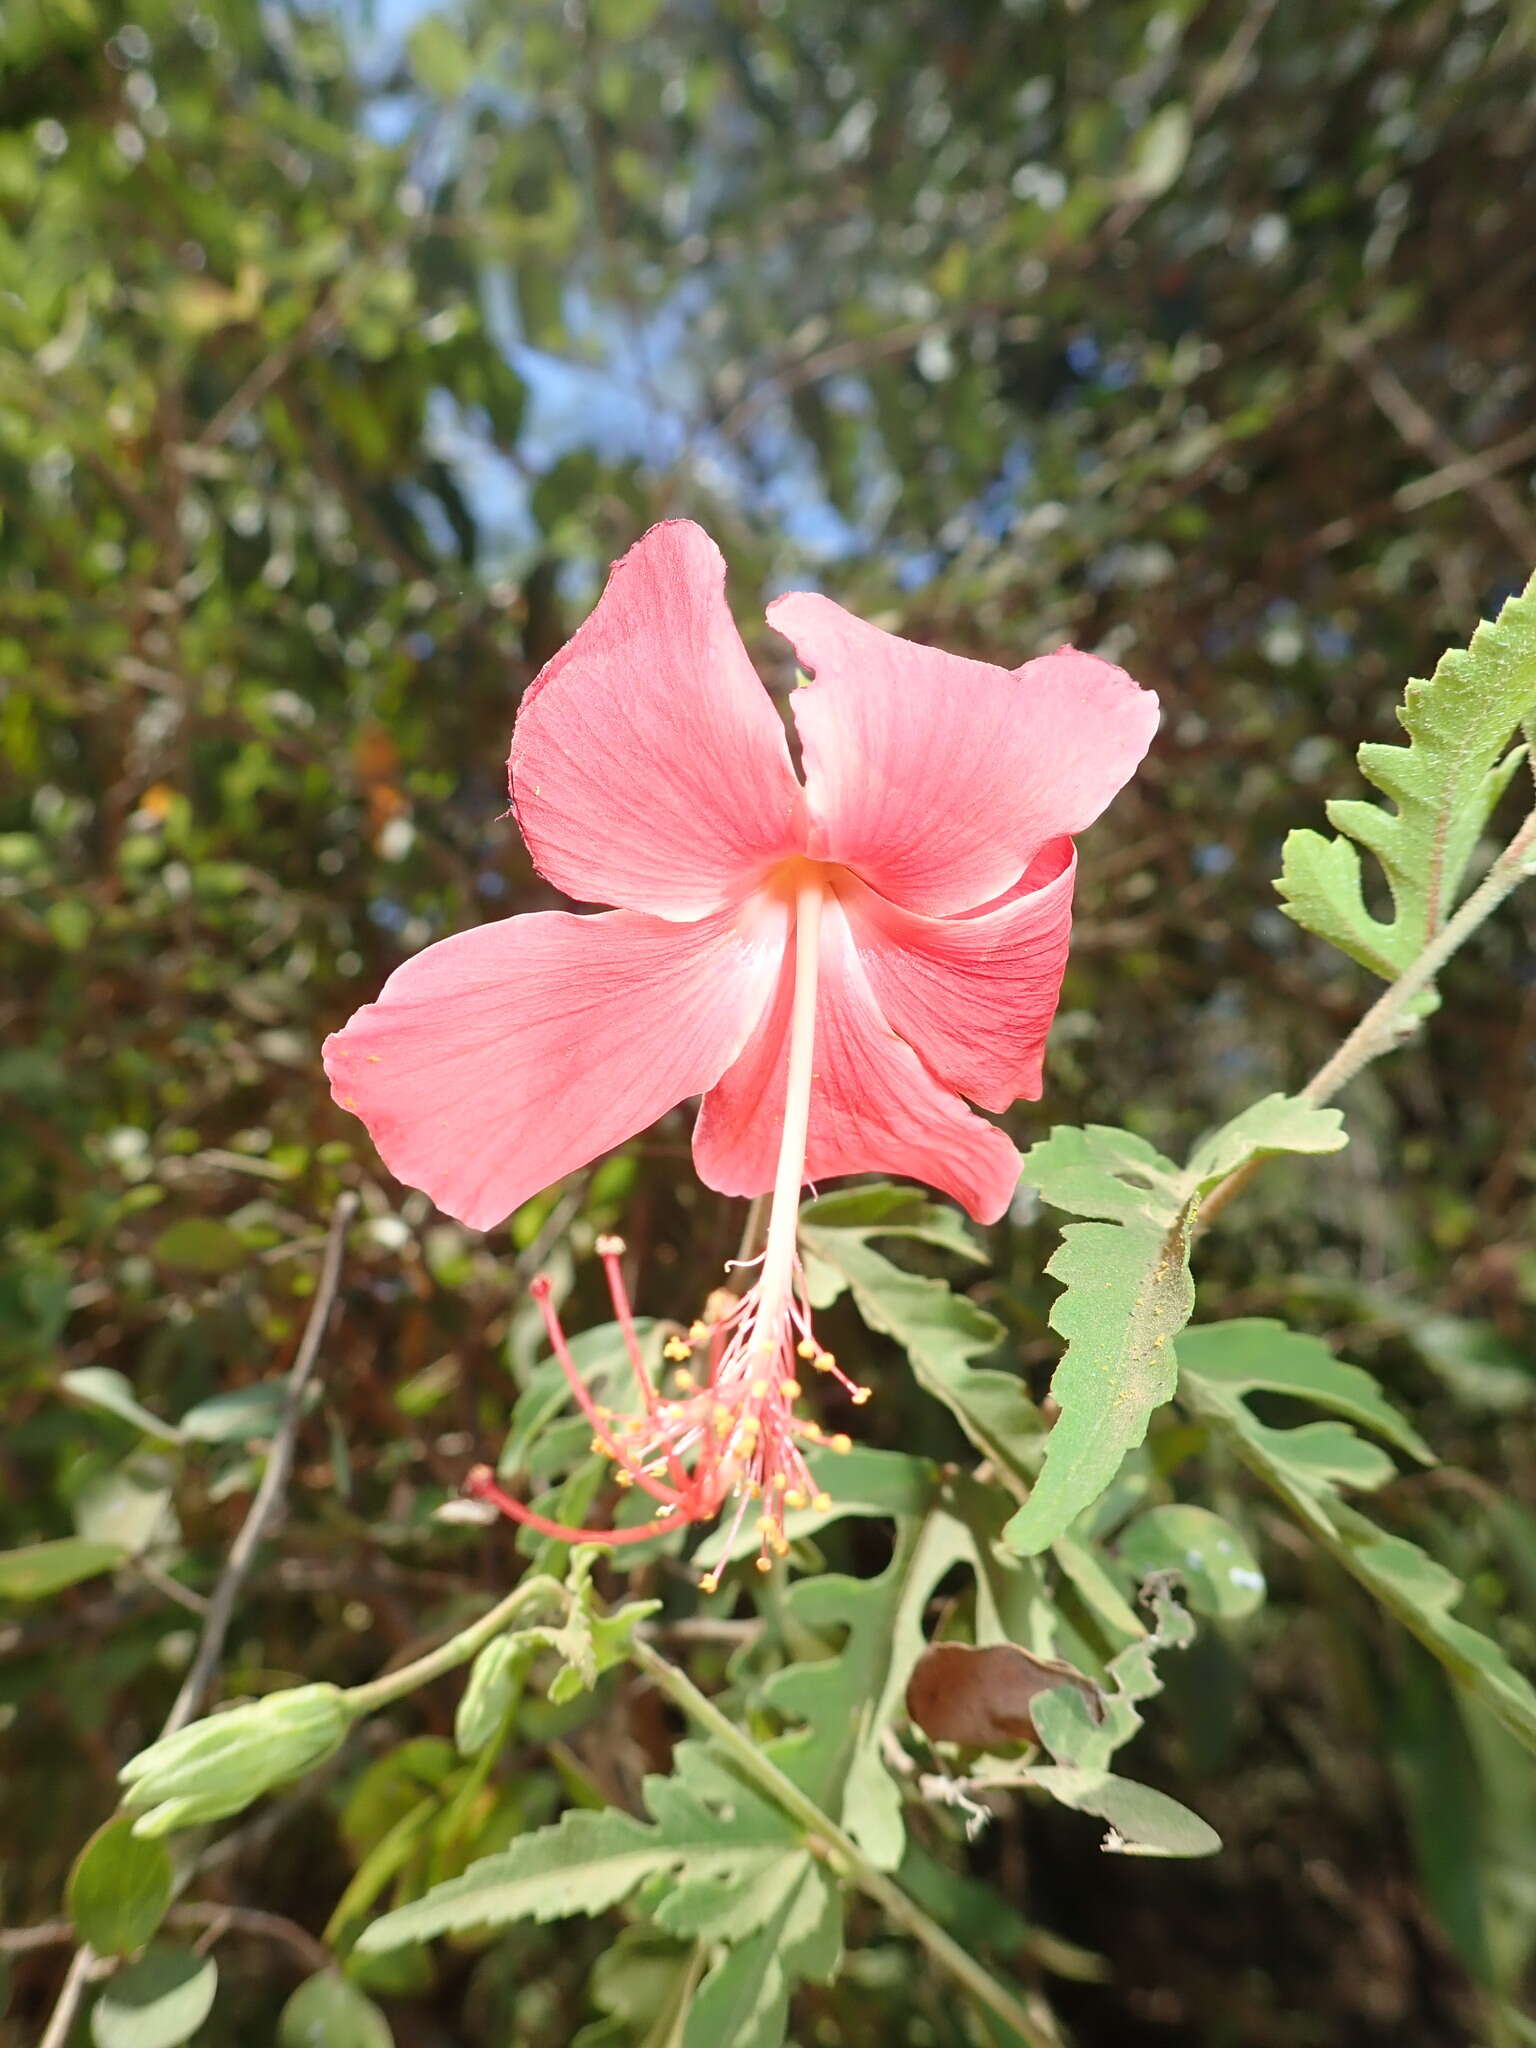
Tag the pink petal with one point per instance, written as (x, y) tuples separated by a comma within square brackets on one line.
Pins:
[(502, 1058), (974, 995), (938, 779), (649, 767), (875, 1107)]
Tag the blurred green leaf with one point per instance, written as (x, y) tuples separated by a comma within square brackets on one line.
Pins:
[(157, 2002), (200, 1244), (1158, 152), (238, 1416), (119, 1889), (328, 2012), (40, 1569), (102, 1387)]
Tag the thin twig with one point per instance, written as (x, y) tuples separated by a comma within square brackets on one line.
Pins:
[(274, 1481), (270, 371), (221, 1602), (1466, 473), (1424, 434), (20, 1941), (169, 1588)]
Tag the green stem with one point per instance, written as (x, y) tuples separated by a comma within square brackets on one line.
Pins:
[(395, 1685), (1381, 1028), (846, 1856)]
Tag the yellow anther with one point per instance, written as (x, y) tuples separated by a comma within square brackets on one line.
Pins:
[(710, 1583), (766, 1525), (675, 1349), (623, 1478), (790, 1389), (841, 1444), (698, 1333), (779, 1543), (600, 1448), (686, 1381), (765, 1564), (860, 1395), (825, 1361), (611, 1247), (821, 1502), (794, 1498), (779, 1482), (757, 1389), (806, 1348), (722, 1419), (811, 1431)]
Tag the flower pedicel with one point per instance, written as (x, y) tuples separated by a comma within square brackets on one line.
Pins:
[(833, 965)]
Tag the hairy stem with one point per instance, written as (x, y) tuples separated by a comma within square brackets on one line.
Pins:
[(459, 1649), (1035, 2028), (1381, 1028)]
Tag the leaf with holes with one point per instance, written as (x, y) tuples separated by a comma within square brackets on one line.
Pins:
[(848, 1702)]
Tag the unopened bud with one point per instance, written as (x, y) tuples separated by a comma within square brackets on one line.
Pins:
[(487, 1697), (220, 1765)]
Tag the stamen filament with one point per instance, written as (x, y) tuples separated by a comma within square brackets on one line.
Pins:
[(578, 1386), (480, 1484)]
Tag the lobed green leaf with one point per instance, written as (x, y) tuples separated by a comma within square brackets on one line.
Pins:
[(1442, 785)]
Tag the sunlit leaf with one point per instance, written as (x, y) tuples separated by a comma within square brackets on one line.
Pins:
[(1127, 1290), (1442, 787)]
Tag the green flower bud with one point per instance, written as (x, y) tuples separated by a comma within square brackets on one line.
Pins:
[(221, 1764), (492, 1687)]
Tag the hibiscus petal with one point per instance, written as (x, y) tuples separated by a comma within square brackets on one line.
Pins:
[(649, 767), (974, 995), (504, 1057), (937, 778), (875, 1107)]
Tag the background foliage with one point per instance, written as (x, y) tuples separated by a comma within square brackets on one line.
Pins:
[(339, 352)]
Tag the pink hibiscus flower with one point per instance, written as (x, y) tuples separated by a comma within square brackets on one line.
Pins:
[(833, 964)]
